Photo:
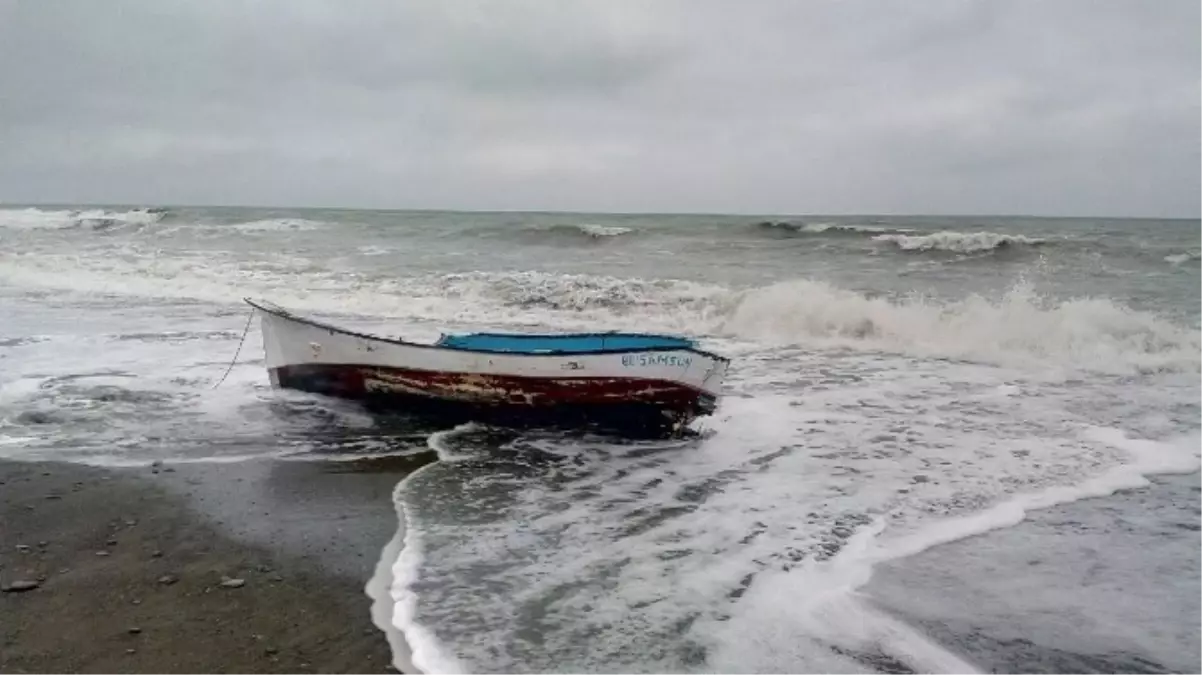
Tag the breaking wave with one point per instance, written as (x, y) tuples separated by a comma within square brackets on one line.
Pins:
[(596, 231), (1019, 328), (92, 219), (829, 229), (959, 242)]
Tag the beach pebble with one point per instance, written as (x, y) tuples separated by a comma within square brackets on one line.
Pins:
[(130, 523), (111, 542), (156, 554), (21, 585), (101, 554), (271, 651), (131, 651), (168, 579), (23, 548), (134, 630), (136, 601), (227, 582)]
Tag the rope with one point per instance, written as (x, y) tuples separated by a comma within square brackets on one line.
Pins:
[(242, 340)]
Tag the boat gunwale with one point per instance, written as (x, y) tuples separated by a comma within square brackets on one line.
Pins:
[(276, 310)]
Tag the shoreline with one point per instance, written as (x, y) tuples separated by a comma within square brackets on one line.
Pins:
[(249, 567), (314, 544)]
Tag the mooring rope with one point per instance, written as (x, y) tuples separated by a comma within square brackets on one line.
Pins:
[(239, 351)]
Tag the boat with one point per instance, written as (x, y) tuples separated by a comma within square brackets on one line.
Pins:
[(631, 383)]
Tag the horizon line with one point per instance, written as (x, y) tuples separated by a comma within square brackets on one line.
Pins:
[(168, 205)]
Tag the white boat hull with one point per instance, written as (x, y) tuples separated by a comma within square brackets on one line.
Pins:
[(676, 384)]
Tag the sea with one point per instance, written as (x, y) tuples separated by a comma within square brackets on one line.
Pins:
[(933, 436)]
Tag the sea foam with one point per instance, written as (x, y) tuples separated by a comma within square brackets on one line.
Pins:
[(824, 604)]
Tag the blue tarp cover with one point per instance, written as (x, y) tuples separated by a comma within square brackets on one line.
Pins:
[(578, 343)]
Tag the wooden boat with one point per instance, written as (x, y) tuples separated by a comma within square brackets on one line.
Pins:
[(627, 382)]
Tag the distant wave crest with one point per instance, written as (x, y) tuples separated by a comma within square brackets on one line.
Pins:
[(278, 225), (1181, 258), (91, 219), (959, 242), (829, 229), (590, 230)]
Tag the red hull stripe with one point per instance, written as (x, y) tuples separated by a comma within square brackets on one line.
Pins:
[(358, 381)]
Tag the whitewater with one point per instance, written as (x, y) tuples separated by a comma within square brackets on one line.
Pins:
[(897, 385)]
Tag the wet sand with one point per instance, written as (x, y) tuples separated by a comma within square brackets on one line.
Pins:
[(130, 566)]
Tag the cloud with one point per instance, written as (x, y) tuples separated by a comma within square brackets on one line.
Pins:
[(1072, 107)]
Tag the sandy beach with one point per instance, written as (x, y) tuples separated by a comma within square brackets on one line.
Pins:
[(138, 570)]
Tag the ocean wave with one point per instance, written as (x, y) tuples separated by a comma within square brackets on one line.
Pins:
[(1019, 328), (92, 219), (582, 230), (959, 242), (1179, 258), (829, 229), (277, 225)]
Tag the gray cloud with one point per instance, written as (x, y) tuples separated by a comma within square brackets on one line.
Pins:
[(1075, 108)]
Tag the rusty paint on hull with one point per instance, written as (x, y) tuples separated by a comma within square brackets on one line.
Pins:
[(628, 403)]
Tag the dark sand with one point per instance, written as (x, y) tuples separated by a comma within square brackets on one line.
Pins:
[(303, 537)]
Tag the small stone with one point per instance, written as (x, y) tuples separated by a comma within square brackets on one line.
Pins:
[(276, 578), (21, 585), (53, 497), (168, 579), (169, 469), (136, 601), (130, 523), (264, 568), (101, 554), (42, 578), (111, 542), (23, 548), (131, 651), (156, 554), (134, 630), (271, 651), (43, 544), (29, 507), (45, 473), (920, 479), (227, 582)]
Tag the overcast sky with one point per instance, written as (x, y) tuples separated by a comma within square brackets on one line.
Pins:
[(799, 106)]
